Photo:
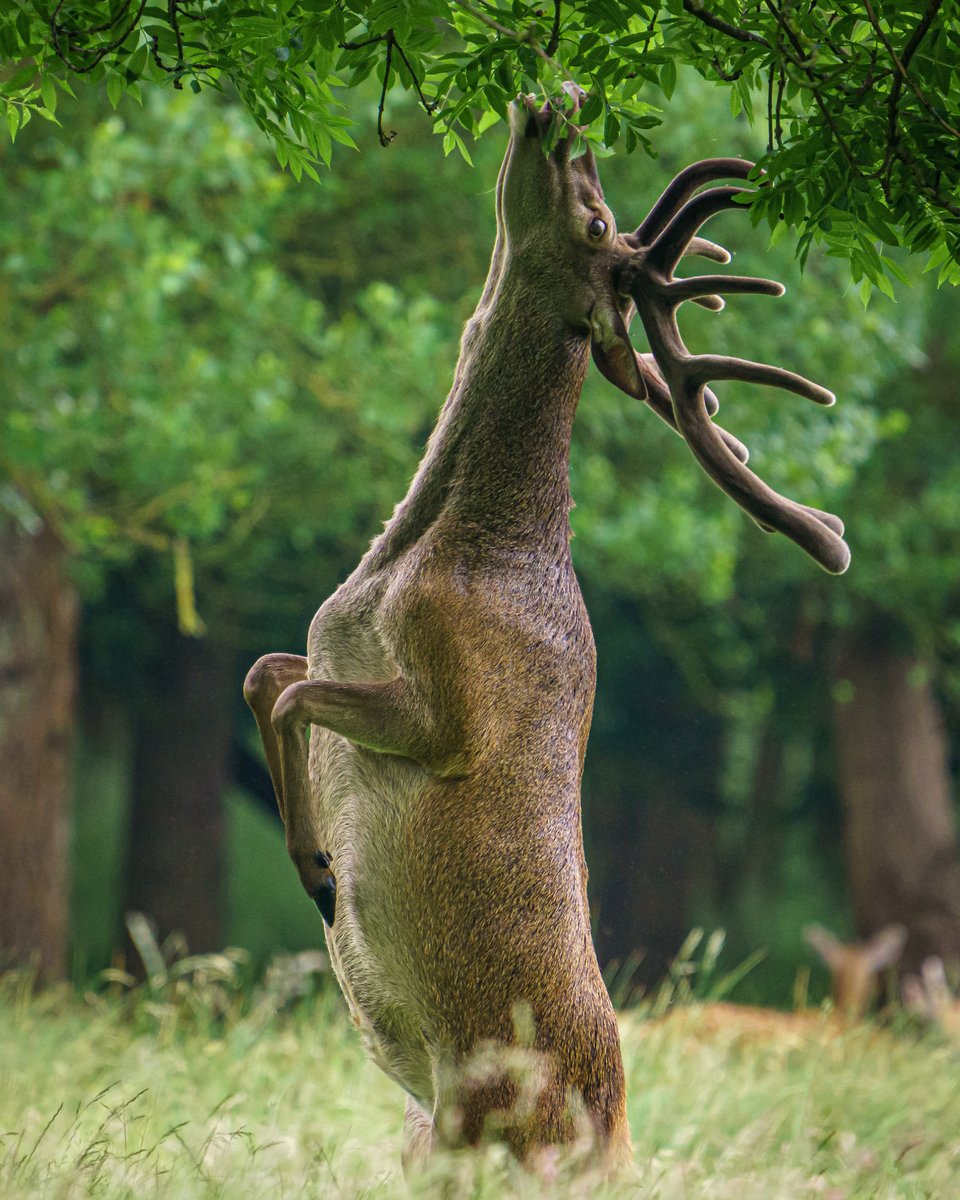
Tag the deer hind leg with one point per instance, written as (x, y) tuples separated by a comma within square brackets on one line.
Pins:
[(266, 681), (419, 1136)]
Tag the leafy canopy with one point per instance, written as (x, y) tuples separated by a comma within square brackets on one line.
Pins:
[(169, 395), (860, 98)]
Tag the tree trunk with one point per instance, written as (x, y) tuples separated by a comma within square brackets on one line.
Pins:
[(649, 833), (647, 862), (901, 844), (175, 872), (38, 681)]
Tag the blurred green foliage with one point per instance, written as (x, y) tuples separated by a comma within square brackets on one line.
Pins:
[(214, 385)]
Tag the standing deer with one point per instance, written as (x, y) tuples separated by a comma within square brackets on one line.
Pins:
[(427, 752)]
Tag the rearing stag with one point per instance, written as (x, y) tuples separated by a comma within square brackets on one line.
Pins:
[(427, 753)]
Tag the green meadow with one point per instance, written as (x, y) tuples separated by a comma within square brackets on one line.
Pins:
[(196, 1087)]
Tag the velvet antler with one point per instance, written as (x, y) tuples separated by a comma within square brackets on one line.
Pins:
[(677, 388)]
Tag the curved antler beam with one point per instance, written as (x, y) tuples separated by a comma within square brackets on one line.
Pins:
[(682, 187)]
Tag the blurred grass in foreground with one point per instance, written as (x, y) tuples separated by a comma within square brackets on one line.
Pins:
[(195, 1086)]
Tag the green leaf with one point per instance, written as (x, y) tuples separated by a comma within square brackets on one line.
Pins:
[(114, 89), (592, 108), (668, 77), (487, 119), (48, 90)]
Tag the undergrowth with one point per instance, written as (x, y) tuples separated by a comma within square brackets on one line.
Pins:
[(196, 1084)]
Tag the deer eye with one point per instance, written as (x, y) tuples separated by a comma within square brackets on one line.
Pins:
[(597, 228)]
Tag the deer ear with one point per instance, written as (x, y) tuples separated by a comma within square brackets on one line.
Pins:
[(885, 947), (613, 351), (825, 944)]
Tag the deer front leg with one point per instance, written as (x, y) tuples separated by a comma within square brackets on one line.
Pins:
[(266, 680), (390, 718)]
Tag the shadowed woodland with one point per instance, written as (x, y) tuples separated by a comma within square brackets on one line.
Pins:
[(216, 383)]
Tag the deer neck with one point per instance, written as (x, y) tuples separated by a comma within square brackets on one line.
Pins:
[(496, 470)]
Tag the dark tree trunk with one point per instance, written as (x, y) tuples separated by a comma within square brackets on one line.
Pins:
[(646, 860), (648, 800), (38, 682), (895, 786), (175, 872)]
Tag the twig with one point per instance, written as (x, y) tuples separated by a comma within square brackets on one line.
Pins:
[(370, 41), (695, 9), (101, 52), (175, 26), (778, 126), (390, 38), (555, 32), (429, 106), (385, 139), (770, 110), (726, 76)]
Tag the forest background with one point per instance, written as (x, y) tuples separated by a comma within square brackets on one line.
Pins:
[(215, 382)]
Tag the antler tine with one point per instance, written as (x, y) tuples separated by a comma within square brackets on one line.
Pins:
[(707, 249), (683, 186), (702, 286), (717, 366), (658, 398), (677, 388), (818, 534), (669, 247), (685, 376), (654, 386)]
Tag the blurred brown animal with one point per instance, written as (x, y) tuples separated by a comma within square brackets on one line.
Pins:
[(427, 752), (855, 968)]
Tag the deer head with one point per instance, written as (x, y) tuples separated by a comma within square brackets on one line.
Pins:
[(553, 221), (855, 967)]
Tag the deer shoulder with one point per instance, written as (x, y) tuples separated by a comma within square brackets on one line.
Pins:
[(483, 647)]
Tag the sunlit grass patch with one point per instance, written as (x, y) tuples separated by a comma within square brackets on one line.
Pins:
[(172, 1092)]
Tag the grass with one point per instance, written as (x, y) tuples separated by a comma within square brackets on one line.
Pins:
[(193, 1087)]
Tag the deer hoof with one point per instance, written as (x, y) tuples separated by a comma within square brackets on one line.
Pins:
[(325, 896)]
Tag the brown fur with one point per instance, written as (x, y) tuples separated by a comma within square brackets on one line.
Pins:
[(855, 967)]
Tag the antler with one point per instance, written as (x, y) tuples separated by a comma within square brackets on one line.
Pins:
[(678, 390)]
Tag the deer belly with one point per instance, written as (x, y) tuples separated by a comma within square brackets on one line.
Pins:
[(388, 1026), (365, 800)]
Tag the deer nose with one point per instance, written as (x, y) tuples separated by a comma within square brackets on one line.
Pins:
[(528, 118)]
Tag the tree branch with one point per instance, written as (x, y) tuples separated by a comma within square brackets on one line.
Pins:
[(901, 63), (696, 9), (555, 32), (813, 82), (385, 138), (429, 106), (100, 52), (525, 39)]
